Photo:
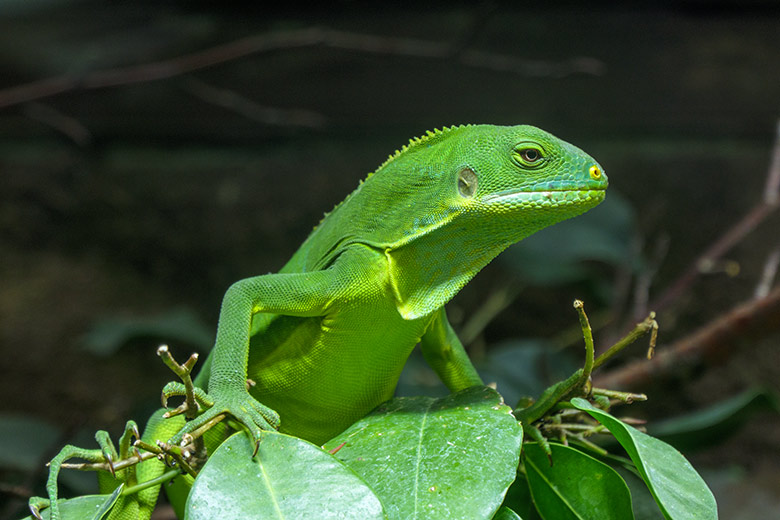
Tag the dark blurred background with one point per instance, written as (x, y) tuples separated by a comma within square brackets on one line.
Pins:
[(151, 153)]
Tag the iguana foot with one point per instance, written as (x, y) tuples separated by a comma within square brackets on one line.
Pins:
[(106, 454), (238, 405)]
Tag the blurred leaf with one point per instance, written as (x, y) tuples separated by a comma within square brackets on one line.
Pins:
[(182, 325), (575, 486), (555, 255), (525, 368), (453, 457), (90, 507), (25, 441), (519, 368), (418, 378), (678, 489), (713, 424), (289, 478)]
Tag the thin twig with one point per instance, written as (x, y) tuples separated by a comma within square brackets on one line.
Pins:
[(587, 335), (104, 466), (283, 40), (757, 317), (769, 203), (640, 329), (645, 279), (162, 479), (235, 102), (494, 304), (769, 273), (702, 264), (69, 126), (184, 371), (772, 188)]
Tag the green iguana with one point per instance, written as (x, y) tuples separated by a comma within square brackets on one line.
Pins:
[(324, 339)]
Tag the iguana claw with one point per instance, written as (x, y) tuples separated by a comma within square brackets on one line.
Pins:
[(36, 504)]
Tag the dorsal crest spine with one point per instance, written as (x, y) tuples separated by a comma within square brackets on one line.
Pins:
[(417, 141), (413, 143)]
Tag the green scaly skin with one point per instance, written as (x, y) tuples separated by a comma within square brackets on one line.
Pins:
[(326, 337)]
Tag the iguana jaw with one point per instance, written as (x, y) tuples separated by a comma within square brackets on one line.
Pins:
[(545, 198)]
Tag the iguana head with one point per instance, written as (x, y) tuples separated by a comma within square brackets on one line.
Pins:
[(477, 190), (522, 179), (489, 186), (447, 203)]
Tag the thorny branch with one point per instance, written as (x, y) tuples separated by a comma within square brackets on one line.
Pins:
[(282, 40)]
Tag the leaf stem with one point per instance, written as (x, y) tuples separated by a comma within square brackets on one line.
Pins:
[(647, 325), (165, 477)]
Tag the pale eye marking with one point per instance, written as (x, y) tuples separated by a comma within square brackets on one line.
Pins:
[(467, 183)]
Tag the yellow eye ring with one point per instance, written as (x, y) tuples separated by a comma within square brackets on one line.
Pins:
[(595, 172)]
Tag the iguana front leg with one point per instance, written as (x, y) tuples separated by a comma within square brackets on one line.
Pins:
[(444, 352), (293, 294)]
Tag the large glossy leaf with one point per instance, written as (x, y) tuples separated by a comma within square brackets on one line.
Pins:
[(678, 489), (713, 424), (89, 507), (289, 478), (451, 458), (575, 486)]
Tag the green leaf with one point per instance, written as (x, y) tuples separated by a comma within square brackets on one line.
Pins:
[(109, 502), (289, 478), (26, 440), (713, 424), (89, 507), (576, 486), (678, 489), (506, 514), (452, 457)]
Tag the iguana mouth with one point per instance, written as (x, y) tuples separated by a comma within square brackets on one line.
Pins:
[(547, 197)]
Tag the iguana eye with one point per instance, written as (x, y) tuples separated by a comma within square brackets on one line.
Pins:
[(528, 155)]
